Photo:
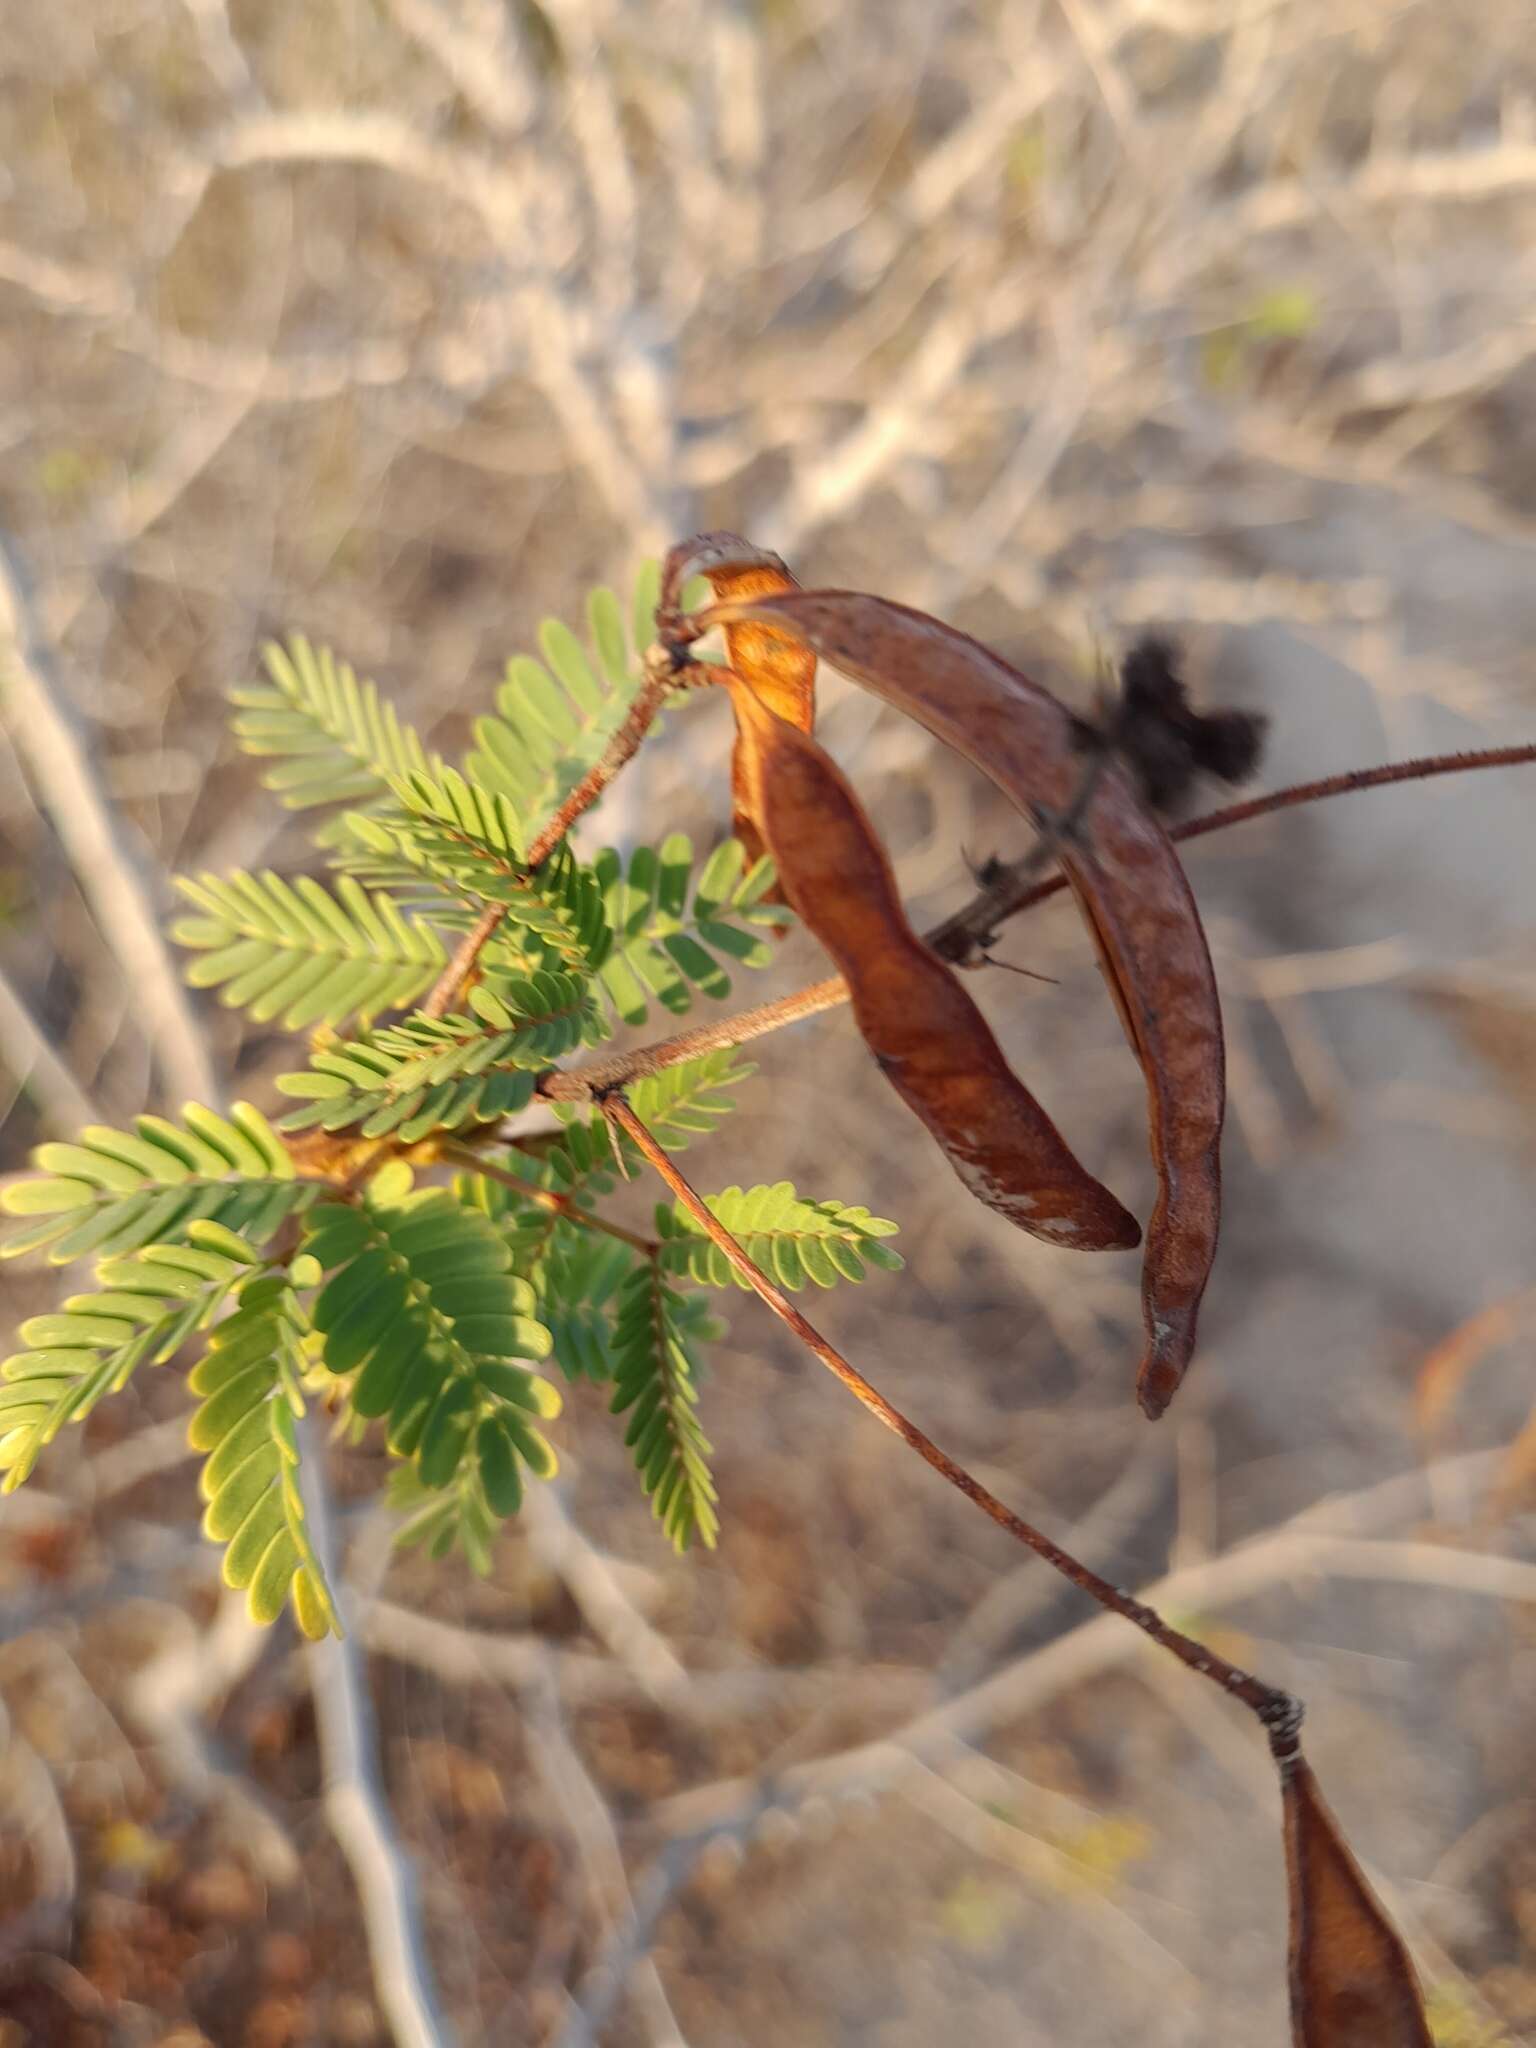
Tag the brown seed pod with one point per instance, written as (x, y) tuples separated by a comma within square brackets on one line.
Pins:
[(932, 1043), (1352, 1983), (780, 668), (1129, 885)]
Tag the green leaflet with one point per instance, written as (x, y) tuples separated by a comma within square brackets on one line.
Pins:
[(432, 1074), (687, 1101), (111, 1192), (249, 1382), (656, 1335), (339, 742), (674, 934), (554, 718), (149, 1305), (574, 1270), (791, 1239), (464, 1515), (578, 1277), (421, 1313), (301, 953), (557, 909)]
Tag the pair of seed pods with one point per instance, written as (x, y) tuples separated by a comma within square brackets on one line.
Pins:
[(929, 1038)]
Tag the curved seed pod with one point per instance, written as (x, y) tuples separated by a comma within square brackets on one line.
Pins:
[(780, 667), (1352, 1984), (931, 1041), (1129, 885)]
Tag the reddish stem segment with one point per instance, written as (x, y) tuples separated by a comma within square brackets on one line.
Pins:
[(462, 963), (547, 1198), (619, 752), (1278, 1711), (962, 937), (581, 1084)]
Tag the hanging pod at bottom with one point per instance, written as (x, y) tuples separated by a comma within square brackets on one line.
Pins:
[(1352, 1983), (932, 1043)]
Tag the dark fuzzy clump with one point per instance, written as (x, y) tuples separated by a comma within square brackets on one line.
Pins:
[(1166, 742)]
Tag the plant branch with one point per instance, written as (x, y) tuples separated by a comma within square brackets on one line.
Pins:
[(618, 753), (460, 967), (548, 1198), (55, 760), (357, 1809), (585, 1083), (963, 937), (1323, 1541), (1278, 1712)]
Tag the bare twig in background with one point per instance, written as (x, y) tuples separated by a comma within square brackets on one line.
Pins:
[(468, 1656), (57, 766), (1320, 1539), (597, 1839), (35, 1816), (357, 1805), (595, 1587), (30, 1060), (168, 1697), (599, 1995)]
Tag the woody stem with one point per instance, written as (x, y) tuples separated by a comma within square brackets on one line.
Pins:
[(962, 937), (547, 1198), (1278, 1711), (618, 753)]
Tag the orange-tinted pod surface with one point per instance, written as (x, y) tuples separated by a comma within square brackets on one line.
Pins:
[(778, 665), (931, 1041), (1129, 884), (1352, 1983)]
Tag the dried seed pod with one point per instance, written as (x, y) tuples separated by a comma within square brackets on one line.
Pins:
[(780, 668), (931, 1041), (1352, 1983), (1129, 885)]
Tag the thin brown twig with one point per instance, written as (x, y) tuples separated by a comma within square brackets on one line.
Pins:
[(582, 1084), (960, 937), (620, 750), (548, 1198), (462, 964), (1278, 1712)]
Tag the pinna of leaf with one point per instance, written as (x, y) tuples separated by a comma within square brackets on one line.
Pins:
[(1129, 885), (931, 1041)]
